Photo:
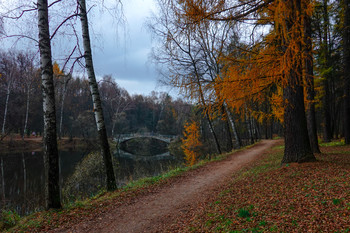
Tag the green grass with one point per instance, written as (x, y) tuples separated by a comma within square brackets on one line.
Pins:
[(333, 143), (271, 162), (9, 218)]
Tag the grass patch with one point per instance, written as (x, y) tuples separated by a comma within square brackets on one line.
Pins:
[(9, 218), (243, 213), (332, 143)]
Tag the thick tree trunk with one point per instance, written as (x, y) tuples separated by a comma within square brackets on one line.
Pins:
[(52, 187), (327, 128), (346, 54), (100, 123), (309, 80), (297, 144)]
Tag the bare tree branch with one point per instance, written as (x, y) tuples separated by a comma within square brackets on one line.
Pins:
[(19, 37), (62, 23)]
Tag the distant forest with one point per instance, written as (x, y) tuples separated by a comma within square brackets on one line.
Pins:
[(21, 104), (21, 108)]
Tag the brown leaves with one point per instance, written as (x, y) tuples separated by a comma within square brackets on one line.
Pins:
[(294, 198)]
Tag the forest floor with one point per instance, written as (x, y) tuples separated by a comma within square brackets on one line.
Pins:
[(249, 191)]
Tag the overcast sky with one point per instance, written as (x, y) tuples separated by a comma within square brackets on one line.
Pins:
[(125, 54), (120, 50)]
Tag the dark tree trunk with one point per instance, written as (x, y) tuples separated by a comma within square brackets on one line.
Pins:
[(309, 79), (297, 144), (327, 126), (346, 54), (327, 130), (98, 112), (249, 126), (229, 136), (52, 188)]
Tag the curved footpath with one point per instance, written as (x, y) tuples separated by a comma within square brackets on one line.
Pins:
[(156, 212)]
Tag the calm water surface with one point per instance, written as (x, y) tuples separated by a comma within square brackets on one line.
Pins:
[(22, 175)]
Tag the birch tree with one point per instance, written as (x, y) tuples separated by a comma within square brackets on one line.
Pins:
[(52, 187), (27, 77), (8, 69), (97, 105)]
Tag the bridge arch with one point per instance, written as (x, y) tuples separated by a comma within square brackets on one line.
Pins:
[(126, 137)]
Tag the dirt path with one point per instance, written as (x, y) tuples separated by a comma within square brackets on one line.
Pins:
[(156, 211)]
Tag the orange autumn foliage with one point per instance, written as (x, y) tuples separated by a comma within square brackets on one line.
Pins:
[(191, 142), (265, 67), (250, 75)]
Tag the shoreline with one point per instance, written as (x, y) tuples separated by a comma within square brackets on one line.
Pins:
[(17, 145)]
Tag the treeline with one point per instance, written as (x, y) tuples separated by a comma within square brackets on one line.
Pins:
[(21, 103), (21, 109)]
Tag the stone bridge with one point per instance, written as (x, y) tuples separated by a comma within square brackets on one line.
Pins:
[(126, 137)]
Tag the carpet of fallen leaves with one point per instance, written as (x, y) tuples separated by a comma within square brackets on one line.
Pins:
[(308, 197)]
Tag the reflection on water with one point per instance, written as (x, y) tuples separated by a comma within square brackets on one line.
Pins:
[(82, 174), (23, 178), (133, 167)]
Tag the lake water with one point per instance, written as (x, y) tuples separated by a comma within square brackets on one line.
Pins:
[(22, 175)]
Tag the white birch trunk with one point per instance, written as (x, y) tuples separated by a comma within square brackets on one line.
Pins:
[(233, 126), (27, 112), (97, 106), (8, 92), (52, 187)]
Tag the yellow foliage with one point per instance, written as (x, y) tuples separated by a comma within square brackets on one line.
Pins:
[(277, 104), (254, 73), (275, 61), (56, 69), (191, 142)]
